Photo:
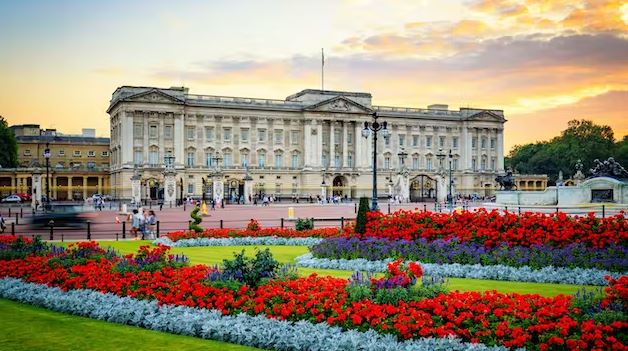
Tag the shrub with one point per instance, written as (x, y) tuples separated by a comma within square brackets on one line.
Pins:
[(251, 272), (253, 226), (360, 223), (304, 224), (196, 220)]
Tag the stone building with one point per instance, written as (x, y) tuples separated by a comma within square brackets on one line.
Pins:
[(78, 164), (309, 143)]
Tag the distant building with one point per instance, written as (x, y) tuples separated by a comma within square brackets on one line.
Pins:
[(79, 164), (298, 145)]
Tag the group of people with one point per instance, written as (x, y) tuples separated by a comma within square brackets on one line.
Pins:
[(144, 222)]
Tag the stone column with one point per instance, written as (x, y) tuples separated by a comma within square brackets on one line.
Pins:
[(248, 189), (358, 158), (13, 185), (54, 188), (319, 142), (179, 140), (136, 191), (307, 145), (345, 145), (332, 146), (84, 187), (70, 194), (37, 189), (170, 186), (126, 131), (500, 150)]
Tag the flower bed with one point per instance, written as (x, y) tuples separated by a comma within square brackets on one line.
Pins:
[(494, 227), (613, 257), (511, 320), (239, 241), (560, 275), (261, 232)]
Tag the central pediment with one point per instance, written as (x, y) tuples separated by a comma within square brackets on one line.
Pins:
[(339, 104), (486, 116), (153, 95)]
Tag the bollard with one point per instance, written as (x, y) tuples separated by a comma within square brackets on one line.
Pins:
[(157, 230), (21, 212), (388, 208), (519, 210), (355, 208), (556, 210), (184, 206), (51, 224), (161, 206), (221, 224), (190, 224), (123, 230), (9, 212), (170, 204), (342, 222), (603, 211), (116, 236), (13, 229), (506, 208), (17, 215), (281, 222), (62, 237), (312, 222), (424, 207), (89, 230)]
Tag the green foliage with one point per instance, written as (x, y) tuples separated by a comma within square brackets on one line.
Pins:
[(8, 145), (196, 220), (251, 272), (20, 249), (304, 224), (582, 140), (360, 223)]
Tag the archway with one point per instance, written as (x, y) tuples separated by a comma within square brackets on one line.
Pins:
[(339, 185), (422, 188)]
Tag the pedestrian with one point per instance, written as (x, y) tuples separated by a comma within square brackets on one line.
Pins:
[(151, 222), (3, 225), (213, 205), (135, 223), (144, 223)]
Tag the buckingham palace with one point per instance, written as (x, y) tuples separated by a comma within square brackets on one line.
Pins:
[(310, 143)]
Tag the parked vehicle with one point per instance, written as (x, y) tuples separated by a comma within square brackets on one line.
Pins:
[(63, 216), (12, 199), (24, 196)]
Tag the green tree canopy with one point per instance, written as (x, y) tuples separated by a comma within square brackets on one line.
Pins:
[(8, 145), (582, 140)]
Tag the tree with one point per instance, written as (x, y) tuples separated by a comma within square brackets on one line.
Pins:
[(582, 140), (360, 222), (8, 145)]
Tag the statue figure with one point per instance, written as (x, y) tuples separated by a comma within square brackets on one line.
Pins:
[(506, 182), (579, 176), (608, 168)]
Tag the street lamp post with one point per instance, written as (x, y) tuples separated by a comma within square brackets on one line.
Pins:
[(375, 127), (47, 157), (402, 157), (451, 182)]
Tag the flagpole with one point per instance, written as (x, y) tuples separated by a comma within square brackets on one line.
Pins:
[(322, 69)]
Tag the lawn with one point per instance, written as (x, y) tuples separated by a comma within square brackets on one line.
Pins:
[(211, 255), (26, 327)]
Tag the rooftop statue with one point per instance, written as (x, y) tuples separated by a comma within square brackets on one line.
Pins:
[(608, 168)]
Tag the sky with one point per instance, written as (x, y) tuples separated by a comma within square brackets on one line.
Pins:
[(544, 62)]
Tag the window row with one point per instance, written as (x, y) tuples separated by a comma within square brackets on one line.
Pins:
[(76, 153)]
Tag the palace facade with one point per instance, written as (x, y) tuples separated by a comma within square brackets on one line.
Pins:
[(310, 141)]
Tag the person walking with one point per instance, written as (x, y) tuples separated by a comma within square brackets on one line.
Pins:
[(151, 222), (135, 223)]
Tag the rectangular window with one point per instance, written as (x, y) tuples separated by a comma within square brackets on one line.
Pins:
[(295, 161), (209, 133), (387, 162), (349, 138), (138, 131), (428, 141), (152, 131), (168, 132), (402, 140), (483, 143), (294, 137), (190, 188), (209, 159), (415, 140), (61, 152), (483, 164), (91, 165), (454, 164), (350, 160), (493, 163), (226, 135), (105, 153), (244, 135), (474, 164), (278, 160), (337, 162), (153, 157), (324, 159), (415, 162), (226, 161), (441, 141), (261, 160), (91, 153), (493, 143), (261, 135), (190, 131), (278, 136), (474, 142), (27, 152), (387, 140), (190, 159), (429, 163), (244, 160), (138, 157), (454, 141), (337, 137), (77, 153)]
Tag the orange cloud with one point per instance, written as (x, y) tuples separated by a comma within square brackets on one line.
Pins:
[(598, 16)]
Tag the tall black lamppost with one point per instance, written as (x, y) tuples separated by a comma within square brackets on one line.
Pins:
[(375, 127), (47, 157), (451, 181)]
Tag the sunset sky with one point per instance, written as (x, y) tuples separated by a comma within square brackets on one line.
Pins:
[(543, 62)]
